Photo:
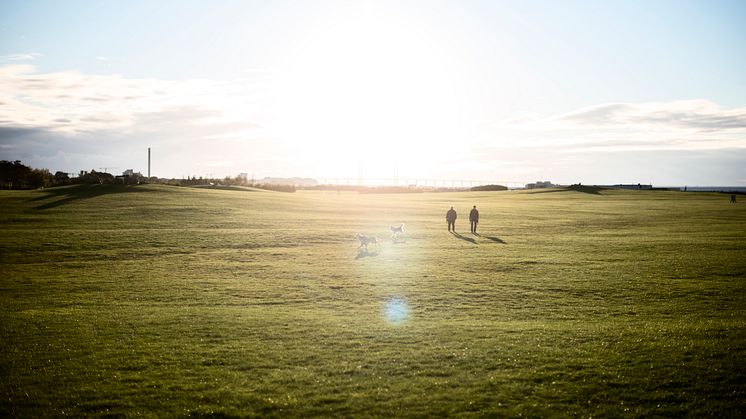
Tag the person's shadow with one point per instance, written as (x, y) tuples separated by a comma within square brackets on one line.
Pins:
[(469, 239), (492, 238)]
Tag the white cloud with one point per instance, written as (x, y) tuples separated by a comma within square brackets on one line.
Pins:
[(20, 57), (72, 102), (43, 114)]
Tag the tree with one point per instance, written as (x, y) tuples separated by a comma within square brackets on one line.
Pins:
[(14, 175), (40, 178), (61, 178)]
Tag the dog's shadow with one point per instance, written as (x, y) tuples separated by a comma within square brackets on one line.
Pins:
[(468, 239), (364, 253)]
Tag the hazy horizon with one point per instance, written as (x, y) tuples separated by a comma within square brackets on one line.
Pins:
[(597, 93)]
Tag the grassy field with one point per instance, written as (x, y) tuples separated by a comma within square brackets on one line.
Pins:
[(168, 301)]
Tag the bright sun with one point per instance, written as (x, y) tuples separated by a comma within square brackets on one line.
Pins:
[(367, 92)]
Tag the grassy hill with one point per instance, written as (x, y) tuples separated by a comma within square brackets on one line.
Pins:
[(167, 301)]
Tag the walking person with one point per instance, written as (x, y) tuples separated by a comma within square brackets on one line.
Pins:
[(451, 219), (474, 219), (732, 198)]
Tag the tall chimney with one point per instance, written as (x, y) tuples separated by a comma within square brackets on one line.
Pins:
[(148, 162)]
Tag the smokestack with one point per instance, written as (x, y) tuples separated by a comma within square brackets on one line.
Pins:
[(148, 162)]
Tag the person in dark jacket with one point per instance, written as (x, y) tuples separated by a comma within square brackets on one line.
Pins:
[(451, 219), (474, 219)]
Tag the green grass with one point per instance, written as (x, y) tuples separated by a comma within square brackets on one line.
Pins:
[(167, 301)]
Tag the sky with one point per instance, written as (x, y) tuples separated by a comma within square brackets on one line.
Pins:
[(597, 92)]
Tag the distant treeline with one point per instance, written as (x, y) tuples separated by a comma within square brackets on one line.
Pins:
[(226, 181), (15, 175)]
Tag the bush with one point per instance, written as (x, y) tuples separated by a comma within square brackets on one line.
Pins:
[(489, 188)]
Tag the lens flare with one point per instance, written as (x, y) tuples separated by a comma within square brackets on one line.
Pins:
[(396, 310)]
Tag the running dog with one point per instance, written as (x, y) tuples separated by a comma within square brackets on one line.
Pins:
[(396, 230), (365, 241)]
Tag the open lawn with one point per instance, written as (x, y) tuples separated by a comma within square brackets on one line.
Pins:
[(168, 301)]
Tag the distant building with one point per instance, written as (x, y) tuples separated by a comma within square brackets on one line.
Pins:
[(129, 177), (540, 184)]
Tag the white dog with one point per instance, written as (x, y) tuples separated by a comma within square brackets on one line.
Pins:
[(396, 230), (365, 241)]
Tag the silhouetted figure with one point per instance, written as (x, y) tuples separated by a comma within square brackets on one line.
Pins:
[(474, 219), (451, 219), (732, 198)]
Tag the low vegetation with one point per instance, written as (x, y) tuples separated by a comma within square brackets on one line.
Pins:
[(484, 188), (165, 301)]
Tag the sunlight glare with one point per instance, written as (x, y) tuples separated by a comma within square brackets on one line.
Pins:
[(370, 91)]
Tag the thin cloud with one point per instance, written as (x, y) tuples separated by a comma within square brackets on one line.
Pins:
[(699, 115), (70, 101), (676, 125), (696, 115), (20, 57), (68, 119)]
